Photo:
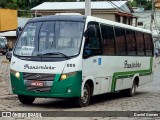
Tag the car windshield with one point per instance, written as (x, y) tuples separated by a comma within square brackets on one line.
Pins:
[(57, 38)]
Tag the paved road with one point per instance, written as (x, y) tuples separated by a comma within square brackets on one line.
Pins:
[(147, 98)]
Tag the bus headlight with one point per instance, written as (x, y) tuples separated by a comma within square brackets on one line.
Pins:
[(15, 73), (67, 75), (63, 76)]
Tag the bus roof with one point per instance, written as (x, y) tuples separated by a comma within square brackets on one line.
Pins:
[(109, 22), (82, 18), (75, 18)]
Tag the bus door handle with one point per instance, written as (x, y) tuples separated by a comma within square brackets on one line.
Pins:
[(106, 78)]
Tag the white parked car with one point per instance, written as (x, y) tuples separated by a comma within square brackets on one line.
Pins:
[(3, 45), (3, 39)]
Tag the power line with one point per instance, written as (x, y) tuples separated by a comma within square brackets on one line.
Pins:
[(115, 6), (122, 6)]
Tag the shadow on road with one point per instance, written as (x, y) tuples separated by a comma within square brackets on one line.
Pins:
[(71, 103), (1, 54)]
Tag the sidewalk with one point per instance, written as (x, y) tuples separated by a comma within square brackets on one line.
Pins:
[(4, 76)]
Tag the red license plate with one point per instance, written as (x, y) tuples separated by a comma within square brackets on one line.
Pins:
[(37, 83)]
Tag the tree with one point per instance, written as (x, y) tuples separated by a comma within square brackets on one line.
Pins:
[(11, 4), (2, 3), (147, 5)]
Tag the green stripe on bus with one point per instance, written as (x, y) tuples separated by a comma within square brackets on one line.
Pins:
[(129, 74)]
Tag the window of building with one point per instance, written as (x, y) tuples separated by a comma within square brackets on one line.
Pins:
[(130, 21), (125, 20), (117, 18), (140, 23)]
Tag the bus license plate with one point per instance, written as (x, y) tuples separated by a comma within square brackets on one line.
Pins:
[(37, 83)]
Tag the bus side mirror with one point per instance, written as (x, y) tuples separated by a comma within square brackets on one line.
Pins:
[(90, 32), (18, 31)]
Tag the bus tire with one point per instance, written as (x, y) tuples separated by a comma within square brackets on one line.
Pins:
[(131, 92), (84, 101), (26, 99)]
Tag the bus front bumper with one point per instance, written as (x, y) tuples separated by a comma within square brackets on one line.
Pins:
[(68, 88)]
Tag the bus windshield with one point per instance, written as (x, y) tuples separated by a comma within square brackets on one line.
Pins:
[(53, 39)]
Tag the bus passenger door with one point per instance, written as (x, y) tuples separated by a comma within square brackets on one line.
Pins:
[(92, 55)]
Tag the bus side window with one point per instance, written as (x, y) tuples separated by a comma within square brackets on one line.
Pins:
[(92, 44), (92, 39), (108, 40), (148, 44), (140, 44), (120, 41), (131, 43)]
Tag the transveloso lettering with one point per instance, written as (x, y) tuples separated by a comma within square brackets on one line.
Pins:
[(132, 65), (26, 66)]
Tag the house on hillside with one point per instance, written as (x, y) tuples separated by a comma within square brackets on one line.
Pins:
[(119, 11)]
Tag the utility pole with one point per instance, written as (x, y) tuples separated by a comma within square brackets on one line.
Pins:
[(87, 7), (152, 15)]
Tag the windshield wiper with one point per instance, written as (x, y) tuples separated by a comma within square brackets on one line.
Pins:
[(55, 53)]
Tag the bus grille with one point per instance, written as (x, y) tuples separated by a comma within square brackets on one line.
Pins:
[(38, 76), (45, 79)]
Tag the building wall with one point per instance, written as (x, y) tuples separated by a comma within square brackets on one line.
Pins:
[(8, 19), (144, 21), (105, 16), (109, 15), (144, 17)]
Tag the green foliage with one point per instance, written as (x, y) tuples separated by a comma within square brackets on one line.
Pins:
[(134, 3), (2, 3), (147, 5), (28, 4), (11, 6), (61, 0), (24, 13), (141, 2)]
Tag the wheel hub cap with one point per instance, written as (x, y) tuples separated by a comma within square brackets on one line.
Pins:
[(85, 95)]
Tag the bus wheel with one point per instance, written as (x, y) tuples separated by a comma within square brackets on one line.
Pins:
[(131, 92), (26, 99), (84, 101)]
